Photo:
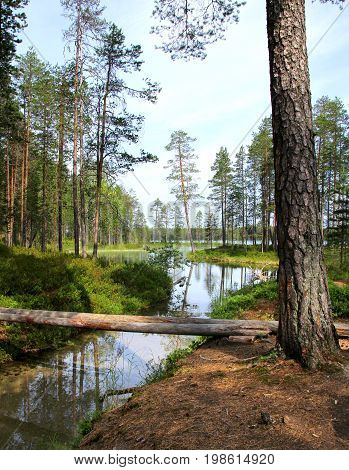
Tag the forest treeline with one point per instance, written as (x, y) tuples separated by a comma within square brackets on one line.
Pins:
[(65, 132), (241, 203), (64, 135)]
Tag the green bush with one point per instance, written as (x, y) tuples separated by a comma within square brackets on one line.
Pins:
[(339, 300), (150, 281)]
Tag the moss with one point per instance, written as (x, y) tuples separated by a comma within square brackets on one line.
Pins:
[(86, 424)]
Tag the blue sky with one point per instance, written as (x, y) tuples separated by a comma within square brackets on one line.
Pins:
[(216, 100)]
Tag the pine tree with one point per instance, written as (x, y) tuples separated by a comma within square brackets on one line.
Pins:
[(260, 162), (238, 193), (210, 225), (182, 174), (113, 58), (220, 184)]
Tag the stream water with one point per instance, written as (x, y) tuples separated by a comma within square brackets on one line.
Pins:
[(44, 397)]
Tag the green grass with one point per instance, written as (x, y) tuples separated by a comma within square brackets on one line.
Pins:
[(171, 363), (33, 280), (234, 303), (237, 255), (69, 246)]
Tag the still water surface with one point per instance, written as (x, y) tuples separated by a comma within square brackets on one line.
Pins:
[(44, 397)]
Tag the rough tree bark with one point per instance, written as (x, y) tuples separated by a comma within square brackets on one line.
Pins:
[(306, 330)]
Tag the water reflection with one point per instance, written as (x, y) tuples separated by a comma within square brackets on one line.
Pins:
[(44, 398)]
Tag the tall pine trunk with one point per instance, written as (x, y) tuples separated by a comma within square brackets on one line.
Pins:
[(100, 158), (306, 330), (60, 170), (44, 208), (83, 221), (77, 80)]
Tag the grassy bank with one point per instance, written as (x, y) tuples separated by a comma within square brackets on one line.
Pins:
[(234, 303), (237, 255), (69, 246), (33, 280)]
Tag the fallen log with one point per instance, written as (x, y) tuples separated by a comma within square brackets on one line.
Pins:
[(136, 324), (145, 324)]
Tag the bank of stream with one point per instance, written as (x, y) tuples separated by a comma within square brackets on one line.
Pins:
[(45, 396)]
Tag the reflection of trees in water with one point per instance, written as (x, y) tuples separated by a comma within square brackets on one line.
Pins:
[(171, 342), (197, 272), (187, 284), (96, 365), (208, 279)]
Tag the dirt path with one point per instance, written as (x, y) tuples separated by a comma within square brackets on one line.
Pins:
[(220, 398)]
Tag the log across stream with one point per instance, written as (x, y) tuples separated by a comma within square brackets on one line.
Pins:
[(148, 324)]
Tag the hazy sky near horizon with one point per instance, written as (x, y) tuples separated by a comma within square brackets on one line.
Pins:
[(216, 100)]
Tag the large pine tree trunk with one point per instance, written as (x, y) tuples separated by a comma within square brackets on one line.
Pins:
[(306, 330)]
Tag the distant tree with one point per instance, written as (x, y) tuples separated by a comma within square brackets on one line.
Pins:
[(331, 127), (338, 234), (182, 173), (210, 225), (156, 214), (220, 184), (178, 222), (260, 162), (199, 219), (238, 193)]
